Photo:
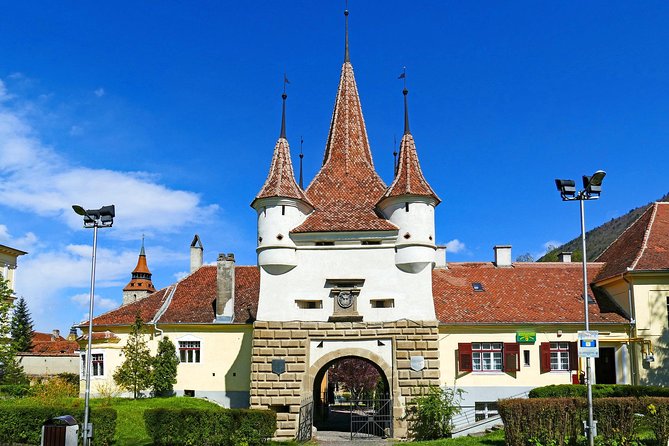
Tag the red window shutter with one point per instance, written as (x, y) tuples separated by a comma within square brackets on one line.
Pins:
[(573, 356), (465, 357), (511, 357), (545, 356)]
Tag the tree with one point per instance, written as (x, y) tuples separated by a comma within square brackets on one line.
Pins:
[(165, 364), (430, 416), (22, 326), (356, 375), (134, 374), (11, 371)]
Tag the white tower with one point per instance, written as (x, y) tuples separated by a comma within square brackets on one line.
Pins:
[(409, 203), (281, 206)]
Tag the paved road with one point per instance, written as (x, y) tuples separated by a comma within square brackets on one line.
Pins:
[(332, 438)]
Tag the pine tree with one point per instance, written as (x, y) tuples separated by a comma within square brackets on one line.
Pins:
[(11, 371), (134, 374), (165, 364), (22, 326)]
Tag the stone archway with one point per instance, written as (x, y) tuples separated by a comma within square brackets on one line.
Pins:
[(317, 373)]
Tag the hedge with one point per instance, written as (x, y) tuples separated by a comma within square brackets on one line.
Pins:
[(22, 423), (598, 391), (209, 427), (559, 421), (15, 390)]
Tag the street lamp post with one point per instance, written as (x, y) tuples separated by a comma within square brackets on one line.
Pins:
[(93, 218), (592, 187)]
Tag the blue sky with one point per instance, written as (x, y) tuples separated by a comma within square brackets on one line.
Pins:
[(170, 110)]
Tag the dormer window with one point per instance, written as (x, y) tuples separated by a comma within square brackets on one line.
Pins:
[(478, 286)]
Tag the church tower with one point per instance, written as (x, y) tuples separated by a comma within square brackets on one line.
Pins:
[(409, 203), (281, 205), (140, 284)]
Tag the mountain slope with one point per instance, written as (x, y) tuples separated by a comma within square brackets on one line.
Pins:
[(600, 238)]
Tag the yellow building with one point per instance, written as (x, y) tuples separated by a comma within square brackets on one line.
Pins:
[(8, 263)]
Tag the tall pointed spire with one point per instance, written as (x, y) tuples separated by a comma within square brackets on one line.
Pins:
[(409, 179), (301, 157), (280, 180), (140, 284), (347, 187), (347, 57), (141, 251)]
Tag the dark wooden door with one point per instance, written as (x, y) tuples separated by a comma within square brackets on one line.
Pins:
[(605, 366)]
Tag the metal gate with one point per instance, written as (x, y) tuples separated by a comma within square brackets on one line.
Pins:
[(372, 418), (306, 420)]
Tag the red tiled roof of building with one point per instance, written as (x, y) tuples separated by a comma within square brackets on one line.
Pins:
[(409, 179), (346, 189), (101, 336), (141, 276), (280, 180), (53, 347), (45, 337), (523, 293), (643, 246), (192, 300)]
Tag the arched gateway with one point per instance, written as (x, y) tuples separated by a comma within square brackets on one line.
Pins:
[(345, 269)]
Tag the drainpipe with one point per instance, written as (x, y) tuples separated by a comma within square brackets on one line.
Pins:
[(632, 330)]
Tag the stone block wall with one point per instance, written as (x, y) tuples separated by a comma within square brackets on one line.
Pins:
[(291, 341)]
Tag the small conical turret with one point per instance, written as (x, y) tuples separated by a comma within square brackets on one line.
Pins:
[(140, 284)]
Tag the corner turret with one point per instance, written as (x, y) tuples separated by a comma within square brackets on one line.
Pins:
[(281, 206), (409, 203)]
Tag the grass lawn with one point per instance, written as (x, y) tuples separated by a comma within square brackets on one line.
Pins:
[(495, 438), (130, 429)]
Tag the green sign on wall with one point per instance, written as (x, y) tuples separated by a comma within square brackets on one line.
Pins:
[(526, 337)]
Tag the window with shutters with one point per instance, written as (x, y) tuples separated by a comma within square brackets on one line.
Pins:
[(559, 356), (489, 357), (97, 365)]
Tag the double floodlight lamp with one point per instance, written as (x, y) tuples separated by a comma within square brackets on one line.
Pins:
[(103, 217), (592, 187)]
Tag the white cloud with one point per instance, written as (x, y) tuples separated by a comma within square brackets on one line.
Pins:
[(100, 304), (3, 91), (26, 242), (35, 178), (99, 92), (180, 275), (551, 244), (455, 246)]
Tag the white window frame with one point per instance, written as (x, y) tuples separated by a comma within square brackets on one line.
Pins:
[(560, 351), (190, 338), (82, 362), (490, 352)]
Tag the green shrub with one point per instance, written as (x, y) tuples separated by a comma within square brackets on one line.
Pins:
[(209, 427), (14, 390), (71, 378), (617, 423), (430, 416), (598, 391), (22, 423), (656, 411), (546, 421)]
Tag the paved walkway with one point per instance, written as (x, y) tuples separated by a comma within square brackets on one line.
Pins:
[(333, 438)]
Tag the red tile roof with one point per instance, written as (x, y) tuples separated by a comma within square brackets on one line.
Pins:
[(346, 189), (44, 344), (280, 180), (141, 276), (191, 300), (643, 246), (409, 179), (523, 293), (44, 337)]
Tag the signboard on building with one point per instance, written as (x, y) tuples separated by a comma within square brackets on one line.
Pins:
[(526, 337), (588, 344)]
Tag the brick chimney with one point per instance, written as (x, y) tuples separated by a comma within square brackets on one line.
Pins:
[(502, 256), (196, 254), (225, 287), (564, 257)]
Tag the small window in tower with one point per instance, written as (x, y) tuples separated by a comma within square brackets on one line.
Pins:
[(406, 206), (283, 210), (407, 236), (279, 237), (477, 286)]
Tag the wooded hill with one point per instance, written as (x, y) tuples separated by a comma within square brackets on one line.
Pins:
[(600, 238)]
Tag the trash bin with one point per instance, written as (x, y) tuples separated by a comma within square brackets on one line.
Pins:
[(60, 431)]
